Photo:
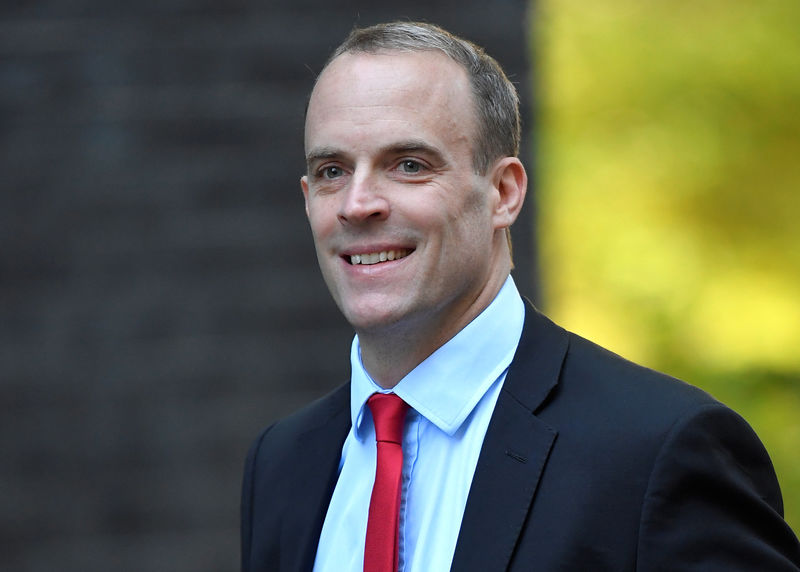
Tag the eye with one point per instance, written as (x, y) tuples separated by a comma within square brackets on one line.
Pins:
[(331, 172), (410, 167)]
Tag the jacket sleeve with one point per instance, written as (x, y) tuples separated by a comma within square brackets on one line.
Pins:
[(713, 501)]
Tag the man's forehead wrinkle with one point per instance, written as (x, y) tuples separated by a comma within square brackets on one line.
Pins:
[(384, 99), (322, 153), (392, 147)]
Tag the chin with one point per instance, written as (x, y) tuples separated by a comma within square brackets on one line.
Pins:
[(365, 320), (368, 322)]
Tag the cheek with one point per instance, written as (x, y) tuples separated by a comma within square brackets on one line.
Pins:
[(321, 218), (477, 201), (472, 219)]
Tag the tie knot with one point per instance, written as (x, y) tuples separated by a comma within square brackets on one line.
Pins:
[(388, 414)]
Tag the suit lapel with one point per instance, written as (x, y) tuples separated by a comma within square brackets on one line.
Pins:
[(514, 452), (316, 466)]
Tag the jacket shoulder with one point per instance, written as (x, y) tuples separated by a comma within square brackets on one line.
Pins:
[(594, 377), (289, 475), (277, 443)]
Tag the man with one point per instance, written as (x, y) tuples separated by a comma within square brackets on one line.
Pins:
[(524, 447)]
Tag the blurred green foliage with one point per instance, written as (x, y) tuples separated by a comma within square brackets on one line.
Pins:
[(668, 175)]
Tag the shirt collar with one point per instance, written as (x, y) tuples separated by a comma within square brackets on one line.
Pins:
[(446, 386)]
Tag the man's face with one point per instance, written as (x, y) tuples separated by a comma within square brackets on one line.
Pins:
[(401, 222)]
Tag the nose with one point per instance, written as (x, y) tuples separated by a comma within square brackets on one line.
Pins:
[(362, 202)]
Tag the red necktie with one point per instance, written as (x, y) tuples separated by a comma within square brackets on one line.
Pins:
[(381, 549)]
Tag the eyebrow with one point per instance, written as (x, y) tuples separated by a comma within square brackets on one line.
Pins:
[(397, 148), (411, 145), (321, 154), (416, 146)]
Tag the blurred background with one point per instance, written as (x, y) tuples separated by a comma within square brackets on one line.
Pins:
[(669, 193), (159, 295), (160, 300)]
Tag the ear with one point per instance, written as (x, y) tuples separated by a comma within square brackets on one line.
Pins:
[(304, 186), (510, 183)]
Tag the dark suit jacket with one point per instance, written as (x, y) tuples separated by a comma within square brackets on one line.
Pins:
[(590, 463)]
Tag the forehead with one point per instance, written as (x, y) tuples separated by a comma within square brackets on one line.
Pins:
[(405, 94)]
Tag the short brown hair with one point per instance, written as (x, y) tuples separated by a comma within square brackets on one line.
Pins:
[(496, 99)]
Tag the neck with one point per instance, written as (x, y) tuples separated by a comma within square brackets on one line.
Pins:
[(390, 353)]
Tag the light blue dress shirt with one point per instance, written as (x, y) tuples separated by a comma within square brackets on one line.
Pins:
[(452, 395)]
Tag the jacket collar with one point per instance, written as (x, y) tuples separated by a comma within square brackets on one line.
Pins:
[(515, 450), (513, 456), (317, 466)]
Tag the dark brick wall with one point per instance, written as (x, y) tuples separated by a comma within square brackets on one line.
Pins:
[(159, 296)]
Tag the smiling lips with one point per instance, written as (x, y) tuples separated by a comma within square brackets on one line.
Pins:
[(376, 257)]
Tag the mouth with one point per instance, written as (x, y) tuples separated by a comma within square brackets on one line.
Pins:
[(369, 258)]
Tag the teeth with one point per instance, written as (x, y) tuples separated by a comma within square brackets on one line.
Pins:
[(375, 257)]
